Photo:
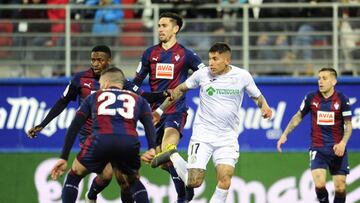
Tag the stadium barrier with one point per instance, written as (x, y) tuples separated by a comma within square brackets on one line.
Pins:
[(262, 175)]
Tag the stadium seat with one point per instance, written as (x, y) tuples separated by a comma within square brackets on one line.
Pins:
[(6, 30)]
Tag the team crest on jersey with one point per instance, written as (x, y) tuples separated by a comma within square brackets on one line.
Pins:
[(164, 71), (325, 118), (336, 106), (177, 57)]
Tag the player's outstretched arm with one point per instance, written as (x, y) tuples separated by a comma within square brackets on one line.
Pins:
[(175, 95), (340, 147), (294, 122), (59, 106)]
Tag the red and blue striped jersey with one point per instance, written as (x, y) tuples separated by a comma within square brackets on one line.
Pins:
[(327, 117), (166, 70), (82, 85), (114, 111)]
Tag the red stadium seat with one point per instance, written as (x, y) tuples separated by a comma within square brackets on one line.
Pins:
[(6, 30)]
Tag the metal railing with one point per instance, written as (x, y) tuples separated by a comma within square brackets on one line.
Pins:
[(332, 45)]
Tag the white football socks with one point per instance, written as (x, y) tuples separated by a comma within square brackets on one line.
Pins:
[(180, 166), (219, 195)]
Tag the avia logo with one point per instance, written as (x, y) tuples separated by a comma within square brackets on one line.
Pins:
[(210, 91)]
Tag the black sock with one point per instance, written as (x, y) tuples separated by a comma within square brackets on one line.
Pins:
[(322, 195), (340, 197), (70, 188), (97, 186), (178, 183), (126, 196), (138, 191)]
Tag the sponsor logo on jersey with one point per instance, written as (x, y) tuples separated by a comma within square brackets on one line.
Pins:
[(211, 91), (165, 71), (325, 118)]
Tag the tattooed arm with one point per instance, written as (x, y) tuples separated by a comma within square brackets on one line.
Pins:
[(263, 105), (294, 122), (340, 147)]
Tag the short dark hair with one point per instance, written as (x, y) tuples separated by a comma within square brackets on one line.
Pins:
[(102, 48), (176, 17), (220, 47), (331, 70), (116, 75), (112, 69)]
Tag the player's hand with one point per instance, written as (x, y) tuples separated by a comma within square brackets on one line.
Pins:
[(155, 117), (58, 169), (266, 113), (167, 93), (148, 156), (33, 131), (171, 94), (339, 149), (281, 141)]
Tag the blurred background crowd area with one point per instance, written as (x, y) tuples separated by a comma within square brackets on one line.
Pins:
[(51, 38)]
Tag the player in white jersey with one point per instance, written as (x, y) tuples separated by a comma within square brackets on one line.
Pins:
[(215, 129)]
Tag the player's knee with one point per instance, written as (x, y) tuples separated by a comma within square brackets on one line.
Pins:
[(340, 189), (224, 183), (320, 184), (194, 183)]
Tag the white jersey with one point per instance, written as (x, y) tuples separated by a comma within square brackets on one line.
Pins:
[(221, 96)]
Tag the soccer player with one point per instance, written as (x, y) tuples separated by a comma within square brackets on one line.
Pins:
[(215, 130), (167, 64), (113, 138), (330, 131), (81, 85)]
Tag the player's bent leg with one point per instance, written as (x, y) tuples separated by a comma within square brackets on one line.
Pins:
[(168, 146), (340, 188), (122, 180), (319, 178), (137, 189), (100, 182), (224, 173), (73, 178), (171, 136), (196, 177)]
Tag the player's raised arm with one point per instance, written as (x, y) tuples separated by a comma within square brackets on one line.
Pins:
[(175, 95), (294, 122)]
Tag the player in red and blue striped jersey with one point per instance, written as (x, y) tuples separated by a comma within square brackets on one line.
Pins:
[(168, 64), (81, 85), (330, 131), (113, 138)]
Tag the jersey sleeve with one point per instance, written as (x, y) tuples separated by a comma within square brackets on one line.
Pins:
[(195, 61), (128, 85), (146, 120), (194, 80), (143, 69), (71, 91), (79, 120), (346, 108), (251, 89), (305, 106)]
